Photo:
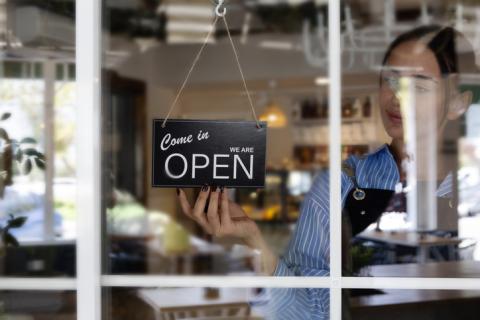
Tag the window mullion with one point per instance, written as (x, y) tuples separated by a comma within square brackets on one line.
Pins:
[(334, 53), (49, 114), (88, 35)]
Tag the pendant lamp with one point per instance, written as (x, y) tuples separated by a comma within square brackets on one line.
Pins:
[(273, 114)]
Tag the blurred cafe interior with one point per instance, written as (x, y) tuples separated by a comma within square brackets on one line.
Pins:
[(147, 49)]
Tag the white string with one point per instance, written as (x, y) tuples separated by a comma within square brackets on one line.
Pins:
[(241, 72), (195, 61), (190, 71)]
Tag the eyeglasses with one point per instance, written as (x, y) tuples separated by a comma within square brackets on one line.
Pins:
[(422, 84)]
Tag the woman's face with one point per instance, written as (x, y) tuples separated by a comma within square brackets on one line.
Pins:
[(417, 63)]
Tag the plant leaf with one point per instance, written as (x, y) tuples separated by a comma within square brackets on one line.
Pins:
[(19, 155), (28, 140), (17, 222), (9, 239), (6, 115), (30, 152), (41, 156), (2, 187), (27, 166), (3, 134), (40, 163)]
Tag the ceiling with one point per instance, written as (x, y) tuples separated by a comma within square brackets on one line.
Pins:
[(136, 35)]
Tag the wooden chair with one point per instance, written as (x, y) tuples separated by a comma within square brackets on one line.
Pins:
[(231, 310)]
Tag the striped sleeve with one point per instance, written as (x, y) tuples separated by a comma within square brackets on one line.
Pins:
[(308, 254)]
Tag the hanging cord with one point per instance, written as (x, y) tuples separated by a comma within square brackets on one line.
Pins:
[(190, 71), (241, 72), (219, 14)]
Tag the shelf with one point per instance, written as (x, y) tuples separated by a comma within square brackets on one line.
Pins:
[(323, 122), (344, 144)]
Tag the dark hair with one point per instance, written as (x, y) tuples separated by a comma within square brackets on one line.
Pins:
[(445, 43)]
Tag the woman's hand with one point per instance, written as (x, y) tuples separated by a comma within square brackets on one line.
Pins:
[(225, 218)]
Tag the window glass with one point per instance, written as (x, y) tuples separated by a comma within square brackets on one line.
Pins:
[(410, 97), (148, 51), (37, 152)]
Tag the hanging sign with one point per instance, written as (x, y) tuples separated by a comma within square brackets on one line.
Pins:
[(191, 153)]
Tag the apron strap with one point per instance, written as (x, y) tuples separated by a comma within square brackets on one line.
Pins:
[(358, 194)]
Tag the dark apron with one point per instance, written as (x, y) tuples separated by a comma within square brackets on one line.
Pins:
[(364, 206), (362, 213)]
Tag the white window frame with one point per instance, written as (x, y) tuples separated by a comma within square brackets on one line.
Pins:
[(90, 281)]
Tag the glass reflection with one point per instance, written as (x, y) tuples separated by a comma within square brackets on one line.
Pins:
[(279, 230), (151, 230), (405, 200), (37, 152)]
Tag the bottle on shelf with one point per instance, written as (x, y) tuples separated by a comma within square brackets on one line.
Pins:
[(367, 108)]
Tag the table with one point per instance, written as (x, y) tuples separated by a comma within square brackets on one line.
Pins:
[(39, 242), (36, 256), (449, 269), (165, 298), (417, 304), (420, 304), (423, 242), (197, 247)]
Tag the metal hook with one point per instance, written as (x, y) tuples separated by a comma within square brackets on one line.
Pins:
[(217, 9)]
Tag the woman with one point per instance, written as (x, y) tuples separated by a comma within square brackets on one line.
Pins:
[(427, 57)]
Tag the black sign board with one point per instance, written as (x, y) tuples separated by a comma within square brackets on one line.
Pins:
[(190, 153)]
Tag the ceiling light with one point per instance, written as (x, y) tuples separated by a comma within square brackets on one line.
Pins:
[(274, 116), (276, 45), (187, 10), (187, 23), (322, 81), (192, 27)]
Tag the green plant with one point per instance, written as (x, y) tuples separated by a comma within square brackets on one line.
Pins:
[(25, 154), (361, 257), (12, 223)]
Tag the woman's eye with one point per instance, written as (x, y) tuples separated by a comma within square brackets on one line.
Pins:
[(392, 82)]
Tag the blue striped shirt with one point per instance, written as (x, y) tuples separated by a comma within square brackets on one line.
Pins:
[(308, 252)]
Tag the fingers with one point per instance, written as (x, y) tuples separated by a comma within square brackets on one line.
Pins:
[(225, 212), (198, 210), (184, 204), (218, 212), (212, 213)]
